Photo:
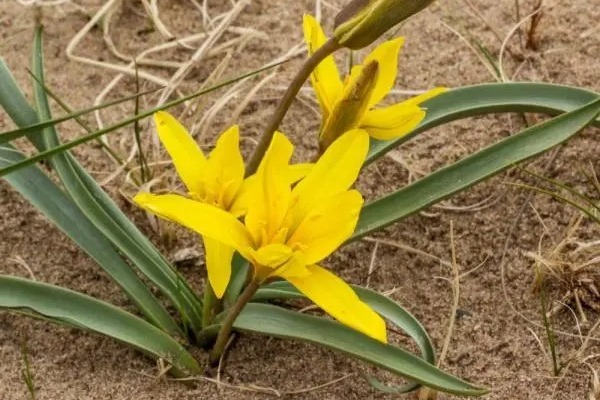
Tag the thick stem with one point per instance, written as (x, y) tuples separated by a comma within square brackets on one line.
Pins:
[(230, 318), (286, 101)]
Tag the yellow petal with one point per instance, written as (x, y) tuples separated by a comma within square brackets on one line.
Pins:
[(326, 226), (399, 119), (298, 171), (241, 202), (392, 122), (325, 78), (386, 55), (338, 299), (239, 206), (225, 168), (270, 194), (417, 100), (187, 156), (207, 220), (272, 255), (218, 264), (333, 173)]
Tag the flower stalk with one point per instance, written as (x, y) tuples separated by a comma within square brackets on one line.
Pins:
[(227, 325), (307, 68)]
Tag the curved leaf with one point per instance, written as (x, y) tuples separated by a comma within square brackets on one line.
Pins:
[(81, 311), (32, 130), (472, 169), (271, 320), (128, 121), (106, 216), (47, 197), (491, 98), (383, 305)]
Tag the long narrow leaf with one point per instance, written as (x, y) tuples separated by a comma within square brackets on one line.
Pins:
[(276, 321), (74, 309), (95, 203), (490, 98), (385, 306), (31, 130), (473, 169), (43, 194), (128, 121), (14, 105)]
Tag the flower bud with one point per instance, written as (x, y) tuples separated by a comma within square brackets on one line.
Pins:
[(362, 22)]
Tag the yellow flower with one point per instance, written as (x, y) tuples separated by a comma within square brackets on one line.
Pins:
[(217, 180), (286, 231), (349, 104)]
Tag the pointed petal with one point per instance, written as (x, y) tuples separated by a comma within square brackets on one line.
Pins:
[(270, 194), (218, 264), (298, 171), (338, 299), (187, 156), (333, 173), (386, 55), (207, 220), (395, 121), (326, 226), (242, 200), (240, 204), (392, 122), (225, 169), (325, 78), (417, 100)]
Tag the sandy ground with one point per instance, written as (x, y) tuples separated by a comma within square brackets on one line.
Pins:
[(497, 334)]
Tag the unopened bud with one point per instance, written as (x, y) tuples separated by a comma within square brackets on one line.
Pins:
[(362, 22)]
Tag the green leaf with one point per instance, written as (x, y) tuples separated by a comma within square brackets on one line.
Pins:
[(470, 170), (239, 274), (128, 121), (47, 197), (106, 216), (13, 100), (490, 98), (31, 130), (275, 321), (74, 309), (383, 305)]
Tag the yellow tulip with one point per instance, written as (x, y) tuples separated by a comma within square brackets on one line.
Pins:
[(350, 103), (287, 230), (217, 180)]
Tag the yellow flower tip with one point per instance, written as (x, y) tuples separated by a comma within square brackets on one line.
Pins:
[(379, 330), (308, 21), (229, 139), (233, 130), (279, 139), (398, 42), (142, 198), (162, 118)]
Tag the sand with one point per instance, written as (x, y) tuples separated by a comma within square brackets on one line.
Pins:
[(497, 339)]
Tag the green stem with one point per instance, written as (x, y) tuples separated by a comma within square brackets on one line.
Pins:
[(286, 101), (230, 318), (211, 305)]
